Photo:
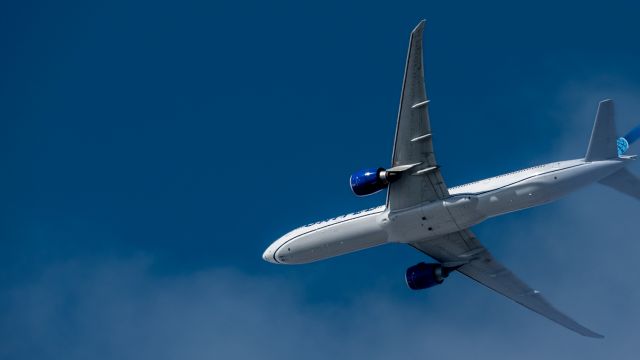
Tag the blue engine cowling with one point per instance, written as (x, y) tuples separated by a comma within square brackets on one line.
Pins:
[(368, 181), (422, 276)]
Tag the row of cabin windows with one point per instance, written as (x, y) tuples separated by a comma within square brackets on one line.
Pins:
[(499, 176), (341, 217)]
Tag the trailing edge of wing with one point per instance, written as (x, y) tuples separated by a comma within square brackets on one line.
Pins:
[(483, 268)]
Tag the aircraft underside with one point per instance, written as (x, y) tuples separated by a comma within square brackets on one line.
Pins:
[(424, 213)]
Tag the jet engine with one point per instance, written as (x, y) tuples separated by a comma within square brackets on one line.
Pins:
[(370, 181), (422, 275)]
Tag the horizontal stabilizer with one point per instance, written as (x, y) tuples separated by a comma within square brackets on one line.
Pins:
[(624, 181)]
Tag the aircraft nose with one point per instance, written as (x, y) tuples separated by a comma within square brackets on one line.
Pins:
[(268, 255)]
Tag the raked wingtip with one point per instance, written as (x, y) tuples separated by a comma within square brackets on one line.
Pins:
[(420, 26)]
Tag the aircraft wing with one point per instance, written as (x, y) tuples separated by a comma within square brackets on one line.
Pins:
[(413, 145), (463, 249)]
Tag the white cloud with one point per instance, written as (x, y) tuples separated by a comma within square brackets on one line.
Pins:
[(120, 309), (580, 252)]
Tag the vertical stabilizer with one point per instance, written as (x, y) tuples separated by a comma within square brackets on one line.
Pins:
[(603, 144)]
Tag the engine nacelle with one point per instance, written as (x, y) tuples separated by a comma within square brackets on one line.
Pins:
[(367, 181), (422, 276), (370, 181)]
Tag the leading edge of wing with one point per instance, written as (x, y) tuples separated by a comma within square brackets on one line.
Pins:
[(484, 269)]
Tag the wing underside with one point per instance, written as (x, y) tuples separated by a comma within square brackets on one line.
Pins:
[(413, 143), (463, 250)]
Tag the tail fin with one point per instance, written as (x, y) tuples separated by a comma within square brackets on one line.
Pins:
[(624, 181), (603, 144)]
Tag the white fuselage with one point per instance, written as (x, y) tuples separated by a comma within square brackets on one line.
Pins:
[(467, 205)]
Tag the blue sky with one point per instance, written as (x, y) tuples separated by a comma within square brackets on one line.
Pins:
[(152, 150)]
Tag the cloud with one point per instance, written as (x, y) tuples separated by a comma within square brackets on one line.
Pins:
[(121, 309), (581, 252)]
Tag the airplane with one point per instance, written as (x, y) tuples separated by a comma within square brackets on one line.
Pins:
[(424, 213)]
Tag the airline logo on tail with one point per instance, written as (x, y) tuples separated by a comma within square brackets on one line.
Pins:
[(627, 140)]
